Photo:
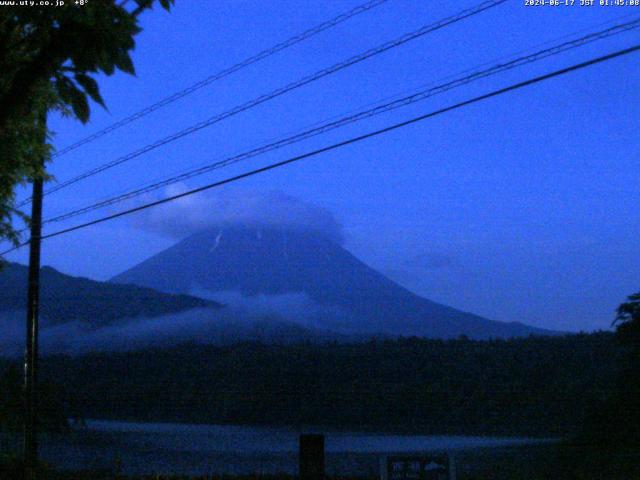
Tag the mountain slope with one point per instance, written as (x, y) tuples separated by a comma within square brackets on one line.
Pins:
[(79, 315), (64, 298), (277, 261)]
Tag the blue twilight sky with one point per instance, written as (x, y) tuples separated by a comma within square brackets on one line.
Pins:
[(520, 208)]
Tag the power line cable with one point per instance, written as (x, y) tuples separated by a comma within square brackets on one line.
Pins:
[(388, 98), (469, 12), (538, 45), (223, 73), (393, 105), (344, 143)]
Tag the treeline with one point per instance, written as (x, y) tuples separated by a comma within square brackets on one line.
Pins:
[(532, 386)]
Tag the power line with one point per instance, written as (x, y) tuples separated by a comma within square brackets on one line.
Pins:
[(344, 143), (224, 73), (503, 58), (395, 104), (469, 12)]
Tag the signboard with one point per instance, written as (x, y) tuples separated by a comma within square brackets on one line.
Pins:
[(418, 467)]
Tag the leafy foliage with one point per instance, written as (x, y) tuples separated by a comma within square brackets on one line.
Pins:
[(628, 321), (612, 428), (49, 59), (21, 148)]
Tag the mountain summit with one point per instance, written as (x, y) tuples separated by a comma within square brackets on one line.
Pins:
[(347, 295)]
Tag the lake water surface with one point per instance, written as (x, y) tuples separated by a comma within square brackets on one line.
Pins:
[(200, 449)]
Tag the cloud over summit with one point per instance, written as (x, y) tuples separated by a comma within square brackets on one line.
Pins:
[(189, 215)]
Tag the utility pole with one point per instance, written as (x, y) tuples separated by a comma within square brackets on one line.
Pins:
[(33, 300)]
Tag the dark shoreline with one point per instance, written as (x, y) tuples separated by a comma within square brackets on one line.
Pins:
[(341, 428), (497, 463), (537, 461)]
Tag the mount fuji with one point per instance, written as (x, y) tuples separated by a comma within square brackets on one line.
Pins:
[(328, 287)]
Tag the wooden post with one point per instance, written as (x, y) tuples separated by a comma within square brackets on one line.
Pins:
[(31, 352), (311, 465)]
